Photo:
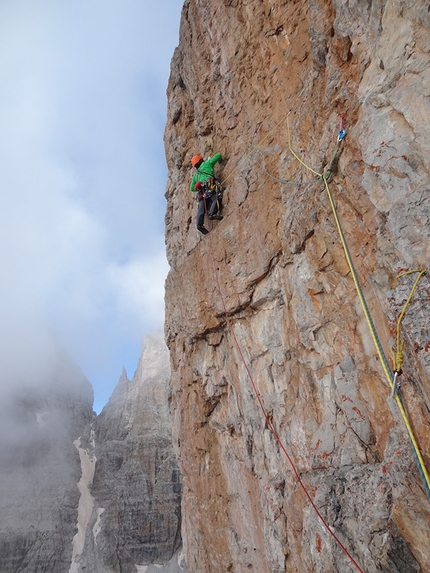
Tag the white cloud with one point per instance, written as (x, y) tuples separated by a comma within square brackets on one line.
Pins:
[(140, 289), (82, 110)]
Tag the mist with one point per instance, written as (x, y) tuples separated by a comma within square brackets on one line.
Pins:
[(82, 110)]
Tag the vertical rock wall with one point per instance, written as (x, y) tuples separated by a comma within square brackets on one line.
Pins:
[(277, 261), (135, 515)]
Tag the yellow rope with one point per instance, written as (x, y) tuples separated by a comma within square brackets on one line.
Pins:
[(378, 347), (398, 353), (252, 150), (398, 356), (413, 441), (368, 316)]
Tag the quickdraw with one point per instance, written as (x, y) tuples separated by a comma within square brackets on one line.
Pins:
[(392, 379), (341, 134), (400, 344), (209, 187)]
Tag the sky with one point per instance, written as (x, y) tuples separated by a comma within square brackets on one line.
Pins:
[(82, 182)]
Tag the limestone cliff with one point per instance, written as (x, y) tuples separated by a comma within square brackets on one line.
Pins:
[(132, 514), (277, 263)]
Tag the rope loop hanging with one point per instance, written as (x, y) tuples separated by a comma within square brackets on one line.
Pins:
[(391, 379), (397, 352)]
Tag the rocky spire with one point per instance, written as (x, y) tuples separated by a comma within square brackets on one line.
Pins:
[(136, 487)]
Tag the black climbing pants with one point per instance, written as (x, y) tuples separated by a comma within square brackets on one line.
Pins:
[(211, 208)]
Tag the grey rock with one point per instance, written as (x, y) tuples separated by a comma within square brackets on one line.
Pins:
[(39, 469), (80, 493), (136, 488)]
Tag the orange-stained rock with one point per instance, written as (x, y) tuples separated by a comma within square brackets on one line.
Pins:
[(276, 265)]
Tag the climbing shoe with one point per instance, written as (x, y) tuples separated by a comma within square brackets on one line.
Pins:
[(203, 230), (216, 217)]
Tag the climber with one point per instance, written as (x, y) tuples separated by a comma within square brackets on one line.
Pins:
[(208, 188)]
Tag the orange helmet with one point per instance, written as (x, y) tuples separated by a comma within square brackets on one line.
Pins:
[(196, 160)]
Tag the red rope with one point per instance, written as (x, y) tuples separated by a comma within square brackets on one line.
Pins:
[(269, 423)]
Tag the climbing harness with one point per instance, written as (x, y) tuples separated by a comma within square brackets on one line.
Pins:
[(209, 187), (206, 190), (400, 344), (390, 378)]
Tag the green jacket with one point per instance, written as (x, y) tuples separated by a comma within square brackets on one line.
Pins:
[(205, 171)]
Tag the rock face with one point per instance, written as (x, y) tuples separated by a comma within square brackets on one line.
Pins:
[(81, 493), (134, 514), (39, 469), (277, 267)]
